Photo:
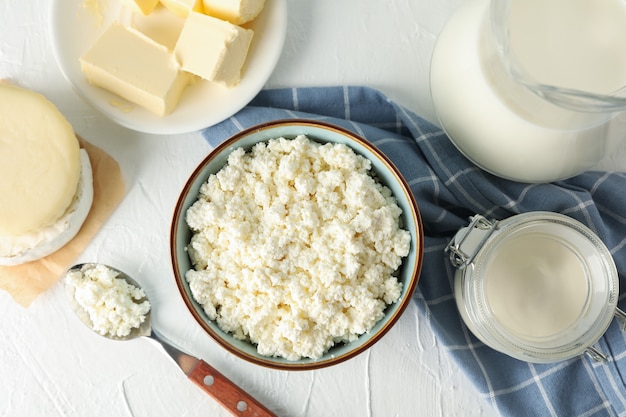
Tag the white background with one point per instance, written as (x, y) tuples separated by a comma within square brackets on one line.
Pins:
[(50, 364)]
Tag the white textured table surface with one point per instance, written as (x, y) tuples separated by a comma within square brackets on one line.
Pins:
[(51, 365)]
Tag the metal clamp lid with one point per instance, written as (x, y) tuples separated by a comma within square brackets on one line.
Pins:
[(458, 256), (468, 242), (594, 353)]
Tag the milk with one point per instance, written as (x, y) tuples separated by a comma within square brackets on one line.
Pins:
[(535, 286), (499, 124), (593, 56)]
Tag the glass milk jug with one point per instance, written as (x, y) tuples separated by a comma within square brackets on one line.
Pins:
[(533, 90)]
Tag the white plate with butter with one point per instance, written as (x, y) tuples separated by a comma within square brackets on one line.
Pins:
[(76, 24)]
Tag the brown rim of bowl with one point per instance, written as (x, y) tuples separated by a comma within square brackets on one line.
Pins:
[(269, 363)]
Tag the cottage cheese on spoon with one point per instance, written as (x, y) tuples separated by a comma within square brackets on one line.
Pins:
[(113, 305)]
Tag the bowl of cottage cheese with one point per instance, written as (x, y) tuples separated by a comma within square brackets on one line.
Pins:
[(296, 244)]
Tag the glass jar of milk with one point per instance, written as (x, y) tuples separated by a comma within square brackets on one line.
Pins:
[(533, 90), (540, 286)]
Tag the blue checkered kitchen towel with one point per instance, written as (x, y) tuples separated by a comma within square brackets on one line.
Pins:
[(449, 189)]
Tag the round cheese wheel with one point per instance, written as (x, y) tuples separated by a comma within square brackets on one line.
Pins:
[(40, 162), (36, 245)]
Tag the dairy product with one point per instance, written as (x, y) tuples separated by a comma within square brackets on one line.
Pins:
[(43, 207), (536, 286), (593, 56), (501, 126), (30, 246), (295, 247), (235, 11), (113, 305), (162, 25), (130, 64), (40, 163), (170, 42), (183, 7), (94, 8), (213, 49), (142, 6)]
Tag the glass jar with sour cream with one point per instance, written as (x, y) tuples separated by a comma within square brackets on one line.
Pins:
[(540, 286)]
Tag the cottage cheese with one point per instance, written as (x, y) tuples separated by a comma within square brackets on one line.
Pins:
[(112, 303), (295, 246)]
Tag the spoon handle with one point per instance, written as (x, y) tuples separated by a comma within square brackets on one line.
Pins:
[(226, 392), (222, 389)]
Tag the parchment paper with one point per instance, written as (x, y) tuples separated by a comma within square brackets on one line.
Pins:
[(27, 281)]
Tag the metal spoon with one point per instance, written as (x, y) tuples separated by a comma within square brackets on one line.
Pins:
[(223, 390)]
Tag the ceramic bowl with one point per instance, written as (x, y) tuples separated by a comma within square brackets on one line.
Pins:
[(386, 172), (76, 24)]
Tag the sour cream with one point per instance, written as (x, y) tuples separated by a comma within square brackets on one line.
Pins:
[(539, 286)]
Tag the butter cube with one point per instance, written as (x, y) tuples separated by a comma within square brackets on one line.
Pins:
[(141, 6), (213, 49), (183, 7), (235, 11), (163, 26), (133, 66)]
